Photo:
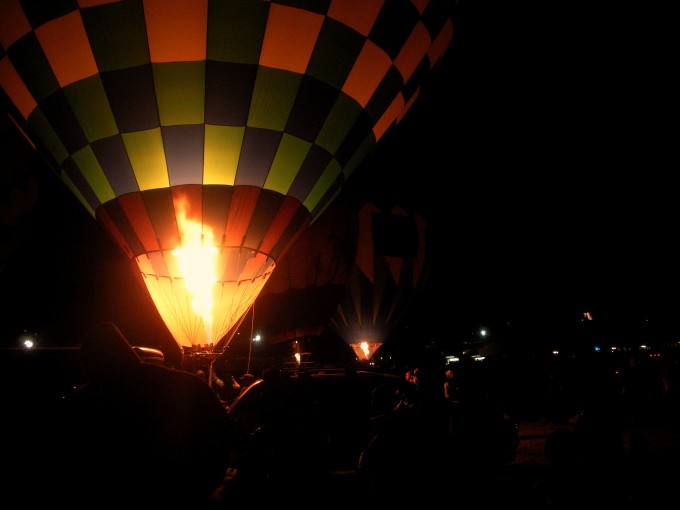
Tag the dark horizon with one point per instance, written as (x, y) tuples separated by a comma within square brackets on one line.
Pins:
[(533, 154)]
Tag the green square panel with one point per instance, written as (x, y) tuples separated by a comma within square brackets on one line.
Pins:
[(180, 91), (236, 30), (117, 34), (91, 107), (273, 97)]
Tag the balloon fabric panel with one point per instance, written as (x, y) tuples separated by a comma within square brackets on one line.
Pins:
[(176, 29), (16, 88), (360, 15), (117, 34), (291, 154), (63, 120), (228, 92), (184, 146), (180, 92), (236, 30), (222, 151), (92, 109), (161, 210), (88, 166), (141, 234), (313, 103), (287, 49), (15, 24), (257, 153), (273, 97), (115, 164), (67, 48), (147, 157), (336, 51)]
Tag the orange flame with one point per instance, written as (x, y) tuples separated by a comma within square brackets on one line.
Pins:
[(364, 350), (196, 260)]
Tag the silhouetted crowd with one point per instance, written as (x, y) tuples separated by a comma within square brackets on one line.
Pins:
[(137, 433)]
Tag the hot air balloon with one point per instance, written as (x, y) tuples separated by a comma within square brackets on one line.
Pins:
[(391, 265), (309, 281), (206, 136)]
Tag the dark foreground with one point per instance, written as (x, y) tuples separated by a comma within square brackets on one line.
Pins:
[(646, 479), (643, 474)]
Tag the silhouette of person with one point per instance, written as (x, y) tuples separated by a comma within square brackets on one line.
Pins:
[(136, 433), (452, 390), (562, 484)]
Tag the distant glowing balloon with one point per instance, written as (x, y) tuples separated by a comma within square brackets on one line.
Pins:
[(206, 136), (390, 267)]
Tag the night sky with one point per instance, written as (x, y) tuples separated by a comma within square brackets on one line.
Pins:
[(539, 153)]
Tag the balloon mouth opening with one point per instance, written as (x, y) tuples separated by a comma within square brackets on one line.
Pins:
[(201, 300), (364, 351)]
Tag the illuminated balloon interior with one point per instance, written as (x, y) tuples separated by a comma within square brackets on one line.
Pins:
[(194, 287), (207, 136), (364, 351)]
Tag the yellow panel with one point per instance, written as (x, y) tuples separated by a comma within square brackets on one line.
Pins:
[(147, 157), (367, 73), (14, 87), (289, 38), (357, 14), (222, 152), (288, 160), (67, 48), (163, 296), (94, 175), (177, 30)]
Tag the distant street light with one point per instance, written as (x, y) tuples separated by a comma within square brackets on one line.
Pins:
[(27, 340)]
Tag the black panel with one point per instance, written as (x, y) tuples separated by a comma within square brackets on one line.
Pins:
[(62, 119), (312, 105), (394, 235), (132, 97), (394, 26), (40, 12), (228, 92)]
